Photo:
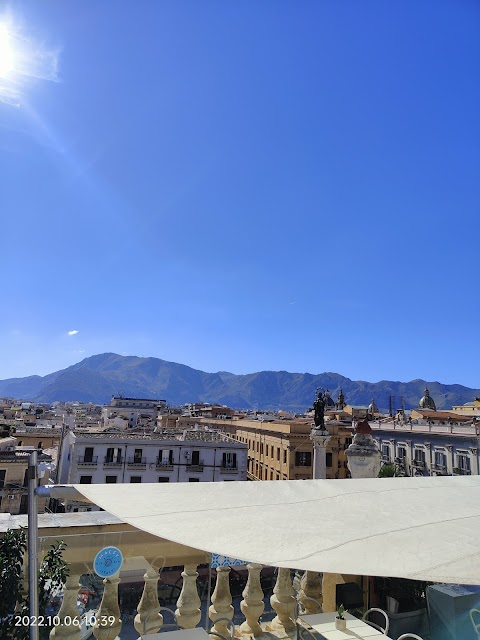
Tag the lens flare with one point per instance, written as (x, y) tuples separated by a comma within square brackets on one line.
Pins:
[(7, 52)]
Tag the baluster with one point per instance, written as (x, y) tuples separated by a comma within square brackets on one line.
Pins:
[(283, 602), (221, 606), (109, 607), (188, 604), (69, 608), (310, 587), (149, 619), (252, 604)]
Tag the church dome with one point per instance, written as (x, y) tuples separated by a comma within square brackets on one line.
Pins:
[(372, 407), (328, 399), (427, 402)]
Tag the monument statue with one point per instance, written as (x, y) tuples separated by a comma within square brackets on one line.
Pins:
[(319, 409)]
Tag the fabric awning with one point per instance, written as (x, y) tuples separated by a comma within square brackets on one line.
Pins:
[(419, 528)]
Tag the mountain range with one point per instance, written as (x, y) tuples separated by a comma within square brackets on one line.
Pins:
[(97, 378)]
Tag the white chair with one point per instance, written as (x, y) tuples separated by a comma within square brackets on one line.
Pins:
[(409, 636), (476, 625), (384, 630)]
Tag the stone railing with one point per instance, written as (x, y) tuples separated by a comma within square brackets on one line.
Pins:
[(148, 558), (188, 613)]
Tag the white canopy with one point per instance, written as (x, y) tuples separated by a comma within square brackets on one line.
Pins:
[(419, 528)]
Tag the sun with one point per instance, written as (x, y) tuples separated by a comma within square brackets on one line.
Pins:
[(7, 52)]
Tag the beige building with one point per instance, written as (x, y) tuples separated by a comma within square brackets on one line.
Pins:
[(471, 409), (13, 477), (282, 450)]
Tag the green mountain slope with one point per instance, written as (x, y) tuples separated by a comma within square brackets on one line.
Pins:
[(97, 378)]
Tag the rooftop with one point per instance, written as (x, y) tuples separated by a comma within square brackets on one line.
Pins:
[(190, 435)]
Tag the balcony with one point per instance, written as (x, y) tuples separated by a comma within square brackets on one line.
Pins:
[(89, 461), (229, 469), (419, 464), (187, 532), (166, 465), (110, 462), (196, 467), (158, 573), (137, 463), (459, 471)]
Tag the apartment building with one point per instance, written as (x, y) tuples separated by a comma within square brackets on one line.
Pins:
[(425, 446), (282, 449), (196, 455), (131, 409), (14, 478)]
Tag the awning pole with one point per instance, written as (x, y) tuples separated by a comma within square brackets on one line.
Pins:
[(32, 540)]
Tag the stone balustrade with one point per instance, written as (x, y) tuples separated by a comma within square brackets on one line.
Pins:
[(150, 559)]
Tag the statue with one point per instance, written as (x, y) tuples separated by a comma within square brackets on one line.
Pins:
[(319, 408)]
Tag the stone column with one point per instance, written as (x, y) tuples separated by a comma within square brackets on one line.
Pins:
[(68, 610), (188, 612), (221, 606), (310, 594), (283, 602), (109, 609), (148, 618), (320, 438), (252, 604)]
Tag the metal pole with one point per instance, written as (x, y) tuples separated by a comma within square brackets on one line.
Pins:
[(32, 538)]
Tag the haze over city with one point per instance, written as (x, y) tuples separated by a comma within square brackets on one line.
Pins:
[(242, 186)]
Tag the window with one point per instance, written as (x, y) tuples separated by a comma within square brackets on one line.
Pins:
[(419, 455), (3, 473), (110, 479), (386, 451), (329, 459), (23, 504), (25, 478), (284, 456), (163, 479), (440, 459), (195, 458), (229, 460), (85, 479), (402, 453), (135, 479), (88, 457), (114, 454), (348, 442), (165, 456), (464, 462), (194, 479), (137, 456), (278, 454), (303, 459)]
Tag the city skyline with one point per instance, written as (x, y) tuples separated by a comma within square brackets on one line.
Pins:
[(242, 187)]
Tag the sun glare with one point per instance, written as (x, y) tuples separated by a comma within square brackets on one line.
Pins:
[(7, 52)]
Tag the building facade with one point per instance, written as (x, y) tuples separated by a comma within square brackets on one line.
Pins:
[(282, 449), (423, 447), (171, 456)]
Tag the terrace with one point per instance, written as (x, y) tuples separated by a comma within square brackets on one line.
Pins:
[(346, 529)]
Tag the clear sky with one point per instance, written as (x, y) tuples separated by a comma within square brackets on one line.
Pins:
[(261, 184)]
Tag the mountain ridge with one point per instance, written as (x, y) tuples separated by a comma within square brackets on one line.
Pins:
[(98, 377)]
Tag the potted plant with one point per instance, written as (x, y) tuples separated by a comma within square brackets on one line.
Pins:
[(340, 621)]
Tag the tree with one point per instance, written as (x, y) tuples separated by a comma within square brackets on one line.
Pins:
[(52, 576)]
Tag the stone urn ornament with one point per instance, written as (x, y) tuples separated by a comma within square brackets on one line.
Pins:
[(340, 621)]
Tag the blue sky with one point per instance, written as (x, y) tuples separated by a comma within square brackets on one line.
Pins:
[(243, 186)]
